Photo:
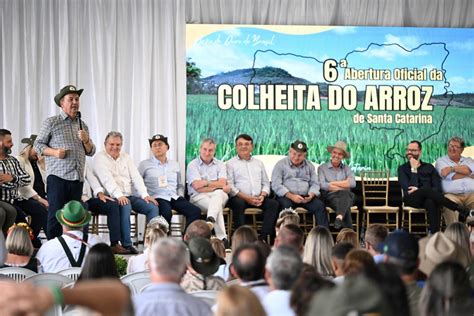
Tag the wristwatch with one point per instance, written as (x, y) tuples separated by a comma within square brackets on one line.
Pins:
[(414, 170)]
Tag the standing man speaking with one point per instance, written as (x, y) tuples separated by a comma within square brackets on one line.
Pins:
[(64, 141)]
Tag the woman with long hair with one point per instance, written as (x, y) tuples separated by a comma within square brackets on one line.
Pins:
[(99, 264), (458, 233), (140, 262), (238, 301), (317, 250)]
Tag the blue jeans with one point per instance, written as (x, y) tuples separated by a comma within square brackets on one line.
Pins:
[(139, 205), (182, 206), (60, 192), (112, 210)]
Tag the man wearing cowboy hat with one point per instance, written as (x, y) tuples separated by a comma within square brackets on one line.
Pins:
[(163, 181), (69, 249), (64, 141), (296, 184), (337, 180)]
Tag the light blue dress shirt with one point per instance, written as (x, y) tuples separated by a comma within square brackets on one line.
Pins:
[(152, 169), (301, 179), (248, 176), (198, 170), (327, 173), (458, 186)]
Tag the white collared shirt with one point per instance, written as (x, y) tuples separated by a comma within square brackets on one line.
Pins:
[(119, 177)]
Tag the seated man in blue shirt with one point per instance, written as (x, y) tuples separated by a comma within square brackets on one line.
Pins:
[(421, 187), (162, 179), (337, 180), (295, 183), (457, 177)]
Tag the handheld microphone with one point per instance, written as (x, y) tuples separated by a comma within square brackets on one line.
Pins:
[(79, 117)]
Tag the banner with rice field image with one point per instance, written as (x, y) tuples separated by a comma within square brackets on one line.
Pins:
[(376, 88)]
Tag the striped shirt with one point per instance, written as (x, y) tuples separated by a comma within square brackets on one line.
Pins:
[(9, 190), (60, 131)]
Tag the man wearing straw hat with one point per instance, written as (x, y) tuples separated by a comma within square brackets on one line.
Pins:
[(69, 249), (64, 140), (337, 180)]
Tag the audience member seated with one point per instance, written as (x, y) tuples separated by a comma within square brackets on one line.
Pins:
[(457, 178), (401, 250), (393, 288), (282, 269), (250, 187), (296, 184), (292, 236), (337, 180), (438, 248), (447, 291), (198, 228), (106, 297), (20, 249), (98, 202), (287, 216), (159, 222), (243, 235), (99, 264), (305, 288), (69, 249), (248, 266), (3, 249), (338, 257), (219, 249), (238, 301), (140, 262), (459, 234), (162, 178), (349, 235), (168, 259), (317, 251), (121, 180), (374, 238), (202, 265), (358, 261)]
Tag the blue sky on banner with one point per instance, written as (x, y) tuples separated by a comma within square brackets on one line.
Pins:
[(242, 47)]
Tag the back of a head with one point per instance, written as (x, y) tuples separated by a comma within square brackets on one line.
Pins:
[(248, 262), (218, 247), (290, 235), (447, 286), (168, 259), (359, 261), (401, 249), (198, 228), (284, 265), (19, 241), (317, 250), (152, 235), (288, 219), (304, 289), (349, 235), (458, 233), (243, 235), (99, 263), (238, 301), (340, 250), (375, 235)]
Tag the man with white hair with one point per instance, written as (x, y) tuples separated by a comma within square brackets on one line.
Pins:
[(168, 260), (282, 269)]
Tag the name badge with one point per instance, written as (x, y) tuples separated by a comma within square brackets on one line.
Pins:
[(162, 182)]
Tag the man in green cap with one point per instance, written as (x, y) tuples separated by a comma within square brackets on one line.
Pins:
[(64, 141), (69, 249)]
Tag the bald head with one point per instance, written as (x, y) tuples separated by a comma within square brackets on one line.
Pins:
[(248, 263)]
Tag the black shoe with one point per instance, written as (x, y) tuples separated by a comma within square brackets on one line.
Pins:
[(226, 243), (463, 214), (210, 222), (133, 250), (338, 223)]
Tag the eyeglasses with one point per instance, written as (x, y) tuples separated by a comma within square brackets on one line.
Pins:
[(454, 146)]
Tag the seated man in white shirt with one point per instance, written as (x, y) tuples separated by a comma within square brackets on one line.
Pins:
[(207, 186), (457, 178), (282, 270), (119, 177), (69, 249), (163, 181)]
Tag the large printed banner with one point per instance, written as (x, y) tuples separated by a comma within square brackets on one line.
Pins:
[(376, 88)]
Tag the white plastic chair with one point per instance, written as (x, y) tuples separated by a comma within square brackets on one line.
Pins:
[(72, 273), (136, 281), (48, 279), (16, 273), (208, 296)]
